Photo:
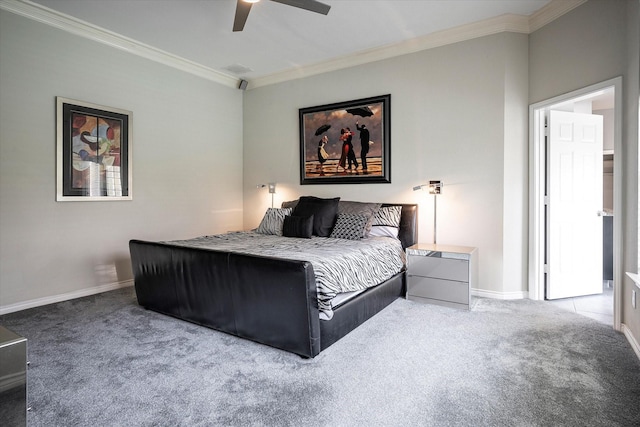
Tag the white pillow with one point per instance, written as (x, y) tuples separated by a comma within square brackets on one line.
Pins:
[(272, 221), (384, 231)]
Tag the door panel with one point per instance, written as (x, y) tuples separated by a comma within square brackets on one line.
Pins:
[(574, 224)]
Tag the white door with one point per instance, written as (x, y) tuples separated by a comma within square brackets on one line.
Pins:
[(574, 205)]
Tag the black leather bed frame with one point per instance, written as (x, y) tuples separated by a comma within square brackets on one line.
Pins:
[(268, 300)]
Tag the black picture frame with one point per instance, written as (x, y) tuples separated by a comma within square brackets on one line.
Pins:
[(93, 152), (368, 121)]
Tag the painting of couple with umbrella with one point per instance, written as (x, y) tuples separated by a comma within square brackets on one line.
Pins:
[(346, 142)]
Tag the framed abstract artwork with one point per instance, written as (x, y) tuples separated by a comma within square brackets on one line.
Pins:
[(93, 152), (346, 142)]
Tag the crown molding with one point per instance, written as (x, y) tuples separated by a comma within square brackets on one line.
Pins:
[(503, 23), (80, 28), (552, 11), (499, 24)]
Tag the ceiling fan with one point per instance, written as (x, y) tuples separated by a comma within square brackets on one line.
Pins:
[(244, 6)]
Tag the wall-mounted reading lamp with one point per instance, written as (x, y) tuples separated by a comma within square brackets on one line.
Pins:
[(435, 188), (272, 189)]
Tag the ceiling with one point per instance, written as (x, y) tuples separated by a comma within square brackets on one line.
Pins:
[(277, 37)]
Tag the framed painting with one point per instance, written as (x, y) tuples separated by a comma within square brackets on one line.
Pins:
[(346, 142), (93, 152)]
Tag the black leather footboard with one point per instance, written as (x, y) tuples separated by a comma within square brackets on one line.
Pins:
[(268, 300)]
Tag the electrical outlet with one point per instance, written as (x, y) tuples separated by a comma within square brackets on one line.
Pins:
[(633, 298)]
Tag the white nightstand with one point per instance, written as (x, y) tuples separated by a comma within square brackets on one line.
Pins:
[(441, 274)]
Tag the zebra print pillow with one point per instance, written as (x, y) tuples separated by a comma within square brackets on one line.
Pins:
[(349, 226), (386, 223), (388, 215), (273, 220)]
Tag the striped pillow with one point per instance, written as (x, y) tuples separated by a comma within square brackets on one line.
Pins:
[(388, 215), (386, 223), (273, 220)]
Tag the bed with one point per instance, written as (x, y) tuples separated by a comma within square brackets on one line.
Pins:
[(264, 298)]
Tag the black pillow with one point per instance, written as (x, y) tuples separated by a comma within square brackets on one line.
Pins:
[(297, 226), (324, 213)]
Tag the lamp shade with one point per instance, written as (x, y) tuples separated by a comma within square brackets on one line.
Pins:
[(435, 187)]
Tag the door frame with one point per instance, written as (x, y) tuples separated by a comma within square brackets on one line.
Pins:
[(537, 159)]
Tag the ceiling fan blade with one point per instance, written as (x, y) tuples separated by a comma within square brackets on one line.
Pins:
[(312, 5), (242, 12)]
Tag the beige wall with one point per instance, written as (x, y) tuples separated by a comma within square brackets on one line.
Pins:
[(187, 162), (458, 114), (595, 42), (582, 47), (516, 168)]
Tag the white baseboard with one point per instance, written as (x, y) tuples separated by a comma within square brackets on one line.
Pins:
[(632, 340), (12, 308), (499, 295)]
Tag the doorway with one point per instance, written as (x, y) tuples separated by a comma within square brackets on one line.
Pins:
[(545, 241)]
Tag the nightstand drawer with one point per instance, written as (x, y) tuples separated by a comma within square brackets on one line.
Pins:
[(445, 290), (441, 268)]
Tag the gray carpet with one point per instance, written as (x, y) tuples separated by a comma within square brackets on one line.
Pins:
[(105, 361)]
